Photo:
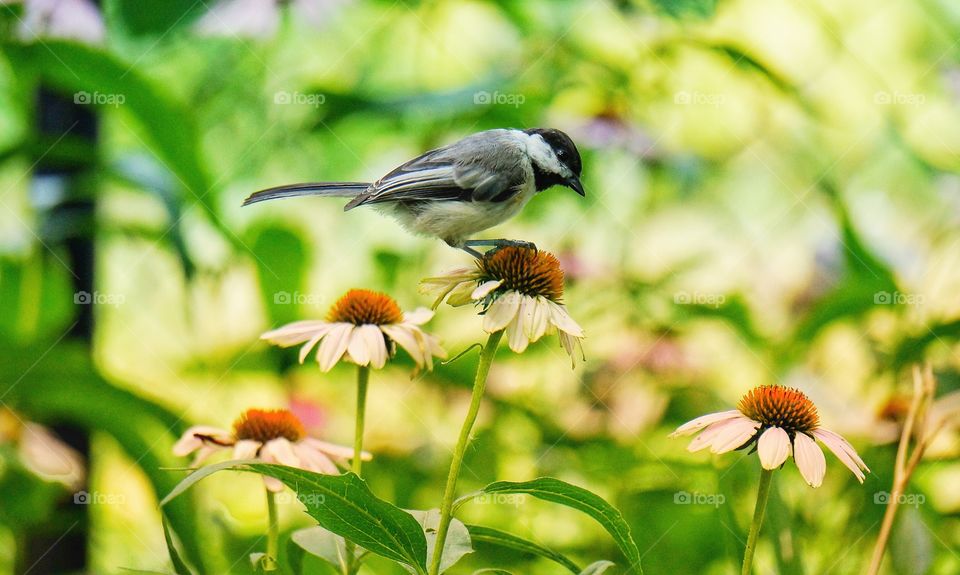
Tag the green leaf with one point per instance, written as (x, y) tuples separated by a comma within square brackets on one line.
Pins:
[(342, 504), (511, 541), (458, 541), (281, 258), (154, 17), (557, 491), (597, 568), (322, 543), (179, 566)]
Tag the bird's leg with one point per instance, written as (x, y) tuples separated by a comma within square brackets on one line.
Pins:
[(472, 252), (500, 243)]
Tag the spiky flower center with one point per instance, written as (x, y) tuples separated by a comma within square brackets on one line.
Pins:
[(779, 406), (530, 272), (361, 307), (265, 424)]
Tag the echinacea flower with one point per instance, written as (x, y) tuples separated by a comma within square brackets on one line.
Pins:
[(519, 289), (362, 327), (783, 422), (271, 436)]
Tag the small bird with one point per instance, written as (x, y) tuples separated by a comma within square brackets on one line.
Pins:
[(458, 190)]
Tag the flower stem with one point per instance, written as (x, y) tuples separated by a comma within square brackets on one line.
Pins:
[(273, 533), (446, 508), (363, 377), (763, 493)]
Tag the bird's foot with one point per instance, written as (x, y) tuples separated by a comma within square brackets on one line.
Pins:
[(496, 245)]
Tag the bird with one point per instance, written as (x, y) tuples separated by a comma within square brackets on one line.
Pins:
[(458, 190)]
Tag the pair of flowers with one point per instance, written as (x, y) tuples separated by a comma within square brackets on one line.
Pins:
[(519, 291)]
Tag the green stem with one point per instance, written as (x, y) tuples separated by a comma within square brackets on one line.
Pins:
[(273, 533), (351, 565), (446, 508), (363, 377), (763, 493)]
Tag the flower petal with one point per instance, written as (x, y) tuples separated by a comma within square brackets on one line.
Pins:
[(712, 431), (273, 484), (735, 434), (419, 316), (501, 312), (809, 458), (334, 345), (403, 335), (246, 449), (376, 344), (703, 421), (560, 318), (516, 338), (294, 333), (305, 350), (315, 460), (279, 450), (485, 289), (357, 348), (336, 451), (843, 450), (539, 319), (192, 438), (773, 447)]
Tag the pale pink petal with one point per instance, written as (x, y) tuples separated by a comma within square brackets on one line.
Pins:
[(273, 484), (809, 458), (501, 312), (296, 332), (711, 432), (280, 451), (190, 442), (336, 451), (357, 347), (246, 449), (737, 433), (305, 350), (539, 319), (419, 316), (773, 447), (704, 420), (572, 346), (205, 451), (560, 318), (421, 340), (516, 338), (405, 338), (48, 456), (485, 289), (376, 345), (844, 452), (434, 347), (334, 346), (313, 459)]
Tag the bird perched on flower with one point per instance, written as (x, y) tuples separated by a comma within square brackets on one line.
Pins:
[(458, 190)]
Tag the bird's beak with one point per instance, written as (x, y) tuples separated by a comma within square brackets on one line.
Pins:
[(573, 182)]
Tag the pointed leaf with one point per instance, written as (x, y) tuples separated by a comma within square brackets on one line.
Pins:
[(322, 543), (597, 568), (511, 541), (458, 541), (557, 491)]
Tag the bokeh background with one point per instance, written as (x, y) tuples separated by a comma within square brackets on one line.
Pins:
[(772, 197)]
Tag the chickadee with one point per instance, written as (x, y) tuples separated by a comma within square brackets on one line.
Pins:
[(458, 190)]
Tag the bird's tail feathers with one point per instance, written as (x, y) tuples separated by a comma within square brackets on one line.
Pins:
[(330, 189)]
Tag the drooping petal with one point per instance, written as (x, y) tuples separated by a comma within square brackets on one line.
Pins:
[(246, 449), (376, 345), (404, 337), (715, 430), (313, 459), (560, 318), (279, 450), (485, 289), (843, 450), (305, 350), (294, 333), (357, 347), (539, 319), (773, 447), (192, 438), (419, 316), (205, 451), (501, 312), (734, 435), (701, 422), (809, 458), (336, 451), (334, 345), (461, 295), (516, 338)]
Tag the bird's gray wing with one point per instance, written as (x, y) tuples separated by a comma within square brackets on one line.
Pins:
[(464, 171)]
